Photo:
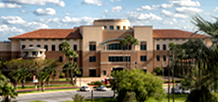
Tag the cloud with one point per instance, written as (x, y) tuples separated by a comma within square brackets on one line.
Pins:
[(9, 5), (185, 3), (94, 2), (114, 0), (154, 7), (188, 10), (23, 11), (6, 31), (36, 2), (166, 5), (50, 20), (117, 8), (78, 21), (170, 14), (12, 20), (34, 25), (139, 18), (47, 11), (216, 9), (105, 11)]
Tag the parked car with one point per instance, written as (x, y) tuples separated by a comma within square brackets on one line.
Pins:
[(84, 88), (176, 90), (101, 88), (185, 91)]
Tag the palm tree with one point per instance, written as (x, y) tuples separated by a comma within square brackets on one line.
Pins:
[(64, 46), (123, 44), (71, 54), (42, 77), (51, 71), (71, 67), (6, 89), (24, 73), (15, 77)]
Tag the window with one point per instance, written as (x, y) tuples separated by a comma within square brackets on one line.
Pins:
[(114, 46), (105, 27), (158, 47), (111, 27), (23, 46), (104, 72), (60, 59), (183, 39), (75, 59), (92, 46), (170, 39), (40, 52), (164, 39), (143, 58), (60, 39), (118, 27), (38, 39), (177, 39), (92, 59), (119, 58), (158, 58), (143, 46), (30, 39), (60, 49), (38, 46), (53, 39), (164, 47), (23, 39), (45, 39), (31, 45), (164, 58), (124, 27), (34, 53), (53, 47), (157, 39), (68, 39), (75, 47), (46, 47)]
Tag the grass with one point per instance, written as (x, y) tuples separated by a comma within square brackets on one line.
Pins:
[(32, 86), (51, 90), (178, 98)]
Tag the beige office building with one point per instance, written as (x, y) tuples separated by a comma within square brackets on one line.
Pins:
[(98, 45)]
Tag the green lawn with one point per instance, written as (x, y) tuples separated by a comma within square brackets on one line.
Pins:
[(178, 98), (32, 86), (52, 90)]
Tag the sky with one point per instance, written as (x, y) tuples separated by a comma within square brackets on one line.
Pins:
[(21, 16)]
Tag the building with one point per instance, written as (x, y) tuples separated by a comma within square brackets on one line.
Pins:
[(98, 45)]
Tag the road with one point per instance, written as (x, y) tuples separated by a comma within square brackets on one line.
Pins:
[(61, 96), (64, 95)]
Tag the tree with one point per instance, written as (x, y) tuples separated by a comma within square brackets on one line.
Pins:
[(78, 98), (64, 46), (128, 43), (50, 71), (6, 89), (42, 77), (144, 85), (15, 77), (71, 67)]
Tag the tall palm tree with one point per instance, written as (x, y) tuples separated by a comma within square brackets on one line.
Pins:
[(71, 54), (64, 46), (42, 77), (6, 89), (24, 73), (123, 44), (71, 67), (51, 71), (15, 77)]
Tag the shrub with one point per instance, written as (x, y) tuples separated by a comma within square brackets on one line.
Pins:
[(78, 98), (98, 83), (158, 70), (129, 97)]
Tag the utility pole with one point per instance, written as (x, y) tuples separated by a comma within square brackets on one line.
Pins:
[(92, 96)]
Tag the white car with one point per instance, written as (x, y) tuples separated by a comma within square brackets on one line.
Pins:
[(101, 88), (185, 91), (84, 88), (176, 90)]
